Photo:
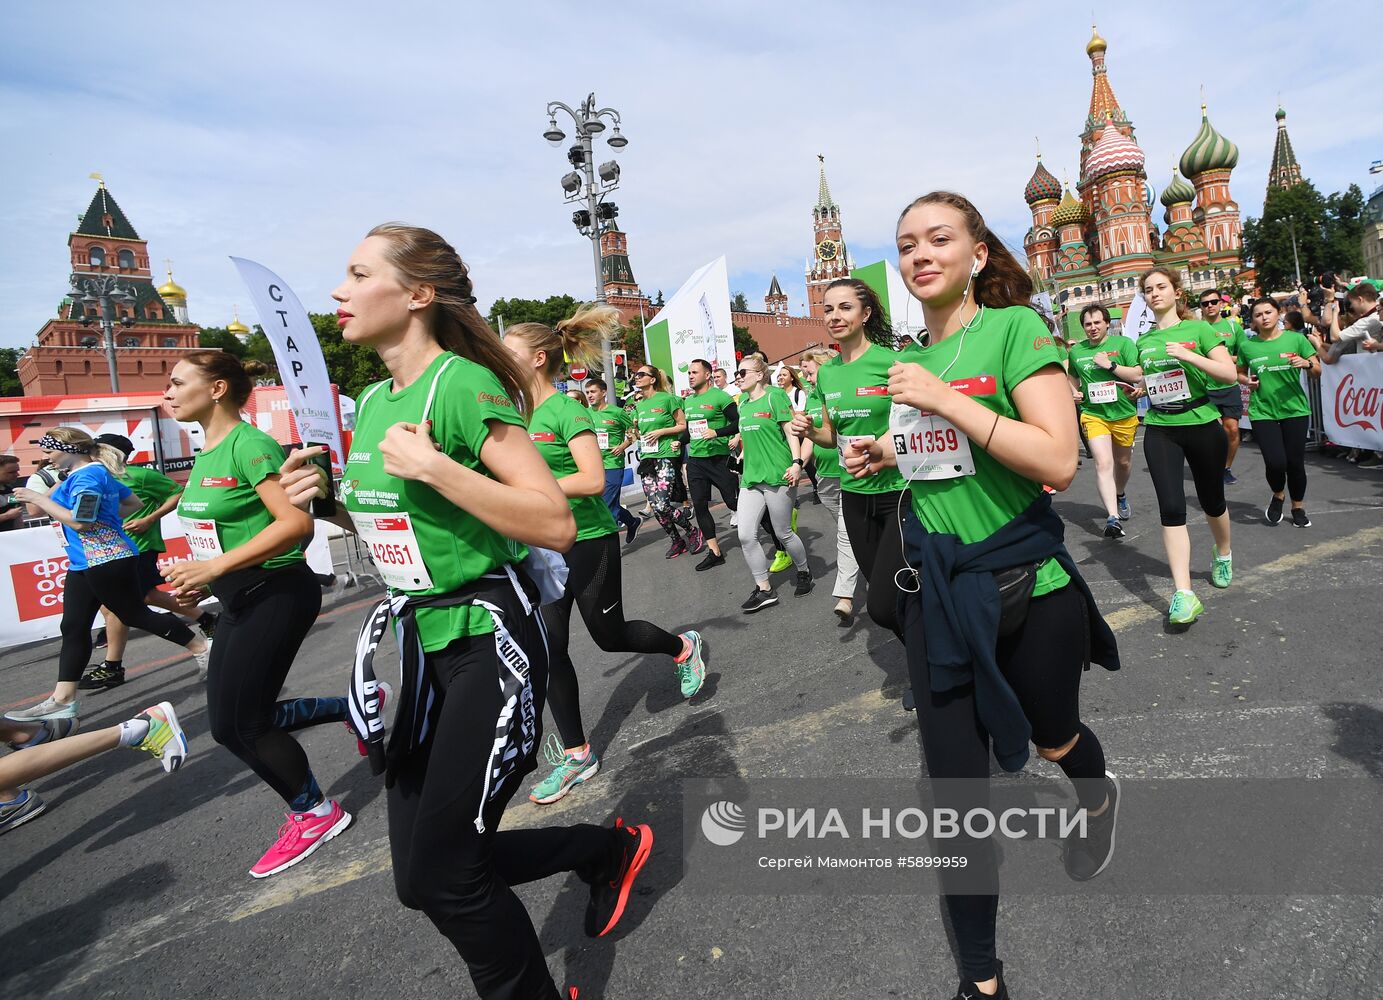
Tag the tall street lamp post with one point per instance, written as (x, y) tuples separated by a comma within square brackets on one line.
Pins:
[(590, 184), (1296, 262), (101, 291)]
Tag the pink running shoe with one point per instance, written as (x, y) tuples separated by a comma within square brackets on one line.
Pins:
[(385, 691), (299, 837)]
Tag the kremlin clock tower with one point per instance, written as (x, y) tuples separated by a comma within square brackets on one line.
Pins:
[(830, 258)]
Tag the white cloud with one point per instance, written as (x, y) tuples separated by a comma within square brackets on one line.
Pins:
[(283, 132)]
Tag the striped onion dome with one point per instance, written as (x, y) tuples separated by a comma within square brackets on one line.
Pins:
[(1208, 151), (1070, 211), (1113, 151), (1042, 186), (1178, 192)]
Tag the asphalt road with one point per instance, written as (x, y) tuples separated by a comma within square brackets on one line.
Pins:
[(135, 883)]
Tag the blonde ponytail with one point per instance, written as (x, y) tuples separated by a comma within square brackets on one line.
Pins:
[(576, 339)]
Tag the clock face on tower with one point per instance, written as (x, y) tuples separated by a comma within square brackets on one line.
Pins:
[(827, 250)]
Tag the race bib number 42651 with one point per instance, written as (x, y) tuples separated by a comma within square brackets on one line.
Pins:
[(394, 549)]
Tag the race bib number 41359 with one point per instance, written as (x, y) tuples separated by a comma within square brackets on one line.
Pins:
[(928, 446)]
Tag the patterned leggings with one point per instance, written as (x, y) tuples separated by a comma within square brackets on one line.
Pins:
[(662, 484)]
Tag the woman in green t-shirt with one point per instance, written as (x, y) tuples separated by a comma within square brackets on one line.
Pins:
[(661, 424), (1271, 365), (445, 486), (1177, 362), (981, 419), (827, 462), (246, 539), (769, 472), (564, 435)]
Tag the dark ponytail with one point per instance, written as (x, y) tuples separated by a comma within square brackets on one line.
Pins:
[(877, 328)]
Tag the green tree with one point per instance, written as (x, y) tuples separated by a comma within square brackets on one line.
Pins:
[(744, 343), (352, 367), (1328, 234), (219, 338), (1344, 231), (739, 303), (549, 311), (9, 371)]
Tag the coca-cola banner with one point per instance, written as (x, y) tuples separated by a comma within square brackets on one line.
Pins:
[(35, 573), (1352, 398)]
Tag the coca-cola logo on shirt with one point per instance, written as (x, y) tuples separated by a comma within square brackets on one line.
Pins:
[(1357, 406)]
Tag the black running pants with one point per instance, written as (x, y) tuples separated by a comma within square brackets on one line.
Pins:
[(118, 586), (1169, 449), (1283, 443), (702, 474), (872, 522)]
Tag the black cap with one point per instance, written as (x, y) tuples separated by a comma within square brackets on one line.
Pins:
[(125, 445)]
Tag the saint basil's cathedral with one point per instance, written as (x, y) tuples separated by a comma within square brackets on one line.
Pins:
[(1091, 246)]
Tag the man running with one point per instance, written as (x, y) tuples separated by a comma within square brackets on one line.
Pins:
[(712, 420)]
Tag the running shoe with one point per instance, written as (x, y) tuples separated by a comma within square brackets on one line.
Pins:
[(711, 561), (98, 641), (631, 530), (1230, 478), (19, 811), (967, 990), (1273, 512), (203, 658), (1221, 568), (805, 583), (909, 700), (1186, 608), (165, 738), (735, 519), (695, 541), (207, 623), (845, 612), (1125, 511), (48, 708), (568, 771), (610, 895), (676, 549), (385, 691), (1085, 857), (1372, 461), (1112, 528), (302, 834), (758, 600), (100, 677), (48, 731), (691, 669), (781, 561), (1299, 517)]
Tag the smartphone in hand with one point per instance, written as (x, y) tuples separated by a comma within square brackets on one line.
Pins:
[(323, 506)]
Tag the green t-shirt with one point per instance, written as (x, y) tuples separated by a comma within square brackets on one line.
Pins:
[(1194, 335), (1279, 394), (613, 423), (1007, 345), (766, 452), (1121, 351), (827, 459), (1231, 334), (710, 407), (221, 488), (152, 488), (655, 413), (557, 420), (456, 546), (858, 403)]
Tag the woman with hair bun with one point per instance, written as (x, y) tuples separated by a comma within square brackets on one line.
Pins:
[(564, 434), (448, 490), (998, 623), (90, 506), (247, 541)]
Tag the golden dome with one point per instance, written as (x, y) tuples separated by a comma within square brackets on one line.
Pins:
[(235, 326), (172, 290), (1096, 43)]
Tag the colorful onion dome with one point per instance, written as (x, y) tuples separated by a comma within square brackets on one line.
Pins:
[(1281, 114), (1208, 151), (1178, 192), (1042, 186), (1113, 151), (1096, 43), (1071, 211)]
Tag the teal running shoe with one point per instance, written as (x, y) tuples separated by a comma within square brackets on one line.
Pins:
[(568, 771), (691, 670), (1186, 608), (1221, 569)]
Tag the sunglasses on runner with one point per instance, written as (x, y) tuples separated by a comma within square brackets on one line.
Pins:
[(1209, 303), (643, 375)]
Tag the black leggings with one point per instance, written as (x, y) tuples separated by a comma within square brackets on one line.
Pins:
[(1283, 443), (255, 645), (1204, 448), (594, 585), (1042, 662), (702, 474), (459, 871), (871, 521), (117, 585)]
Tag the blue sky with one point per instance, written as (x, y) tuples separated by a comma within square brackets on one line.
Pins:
[(282, 132)]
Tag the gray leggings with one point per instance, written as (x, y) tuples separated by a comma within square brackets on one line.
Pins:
[(778, 500)]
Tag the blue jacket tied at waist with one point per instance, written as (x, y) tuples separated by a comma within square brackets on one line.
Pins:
[(960, 614)]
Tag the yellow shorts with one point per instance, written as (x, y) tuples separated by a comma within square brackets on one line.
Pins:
[(1122, 430)]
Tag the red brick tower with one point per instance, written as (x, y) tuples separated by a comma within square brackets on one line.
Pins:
[(1207, 164), (1041, 243), (830, 258), (69, 357), (1114, 179), (776, 301), (621, 290)]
